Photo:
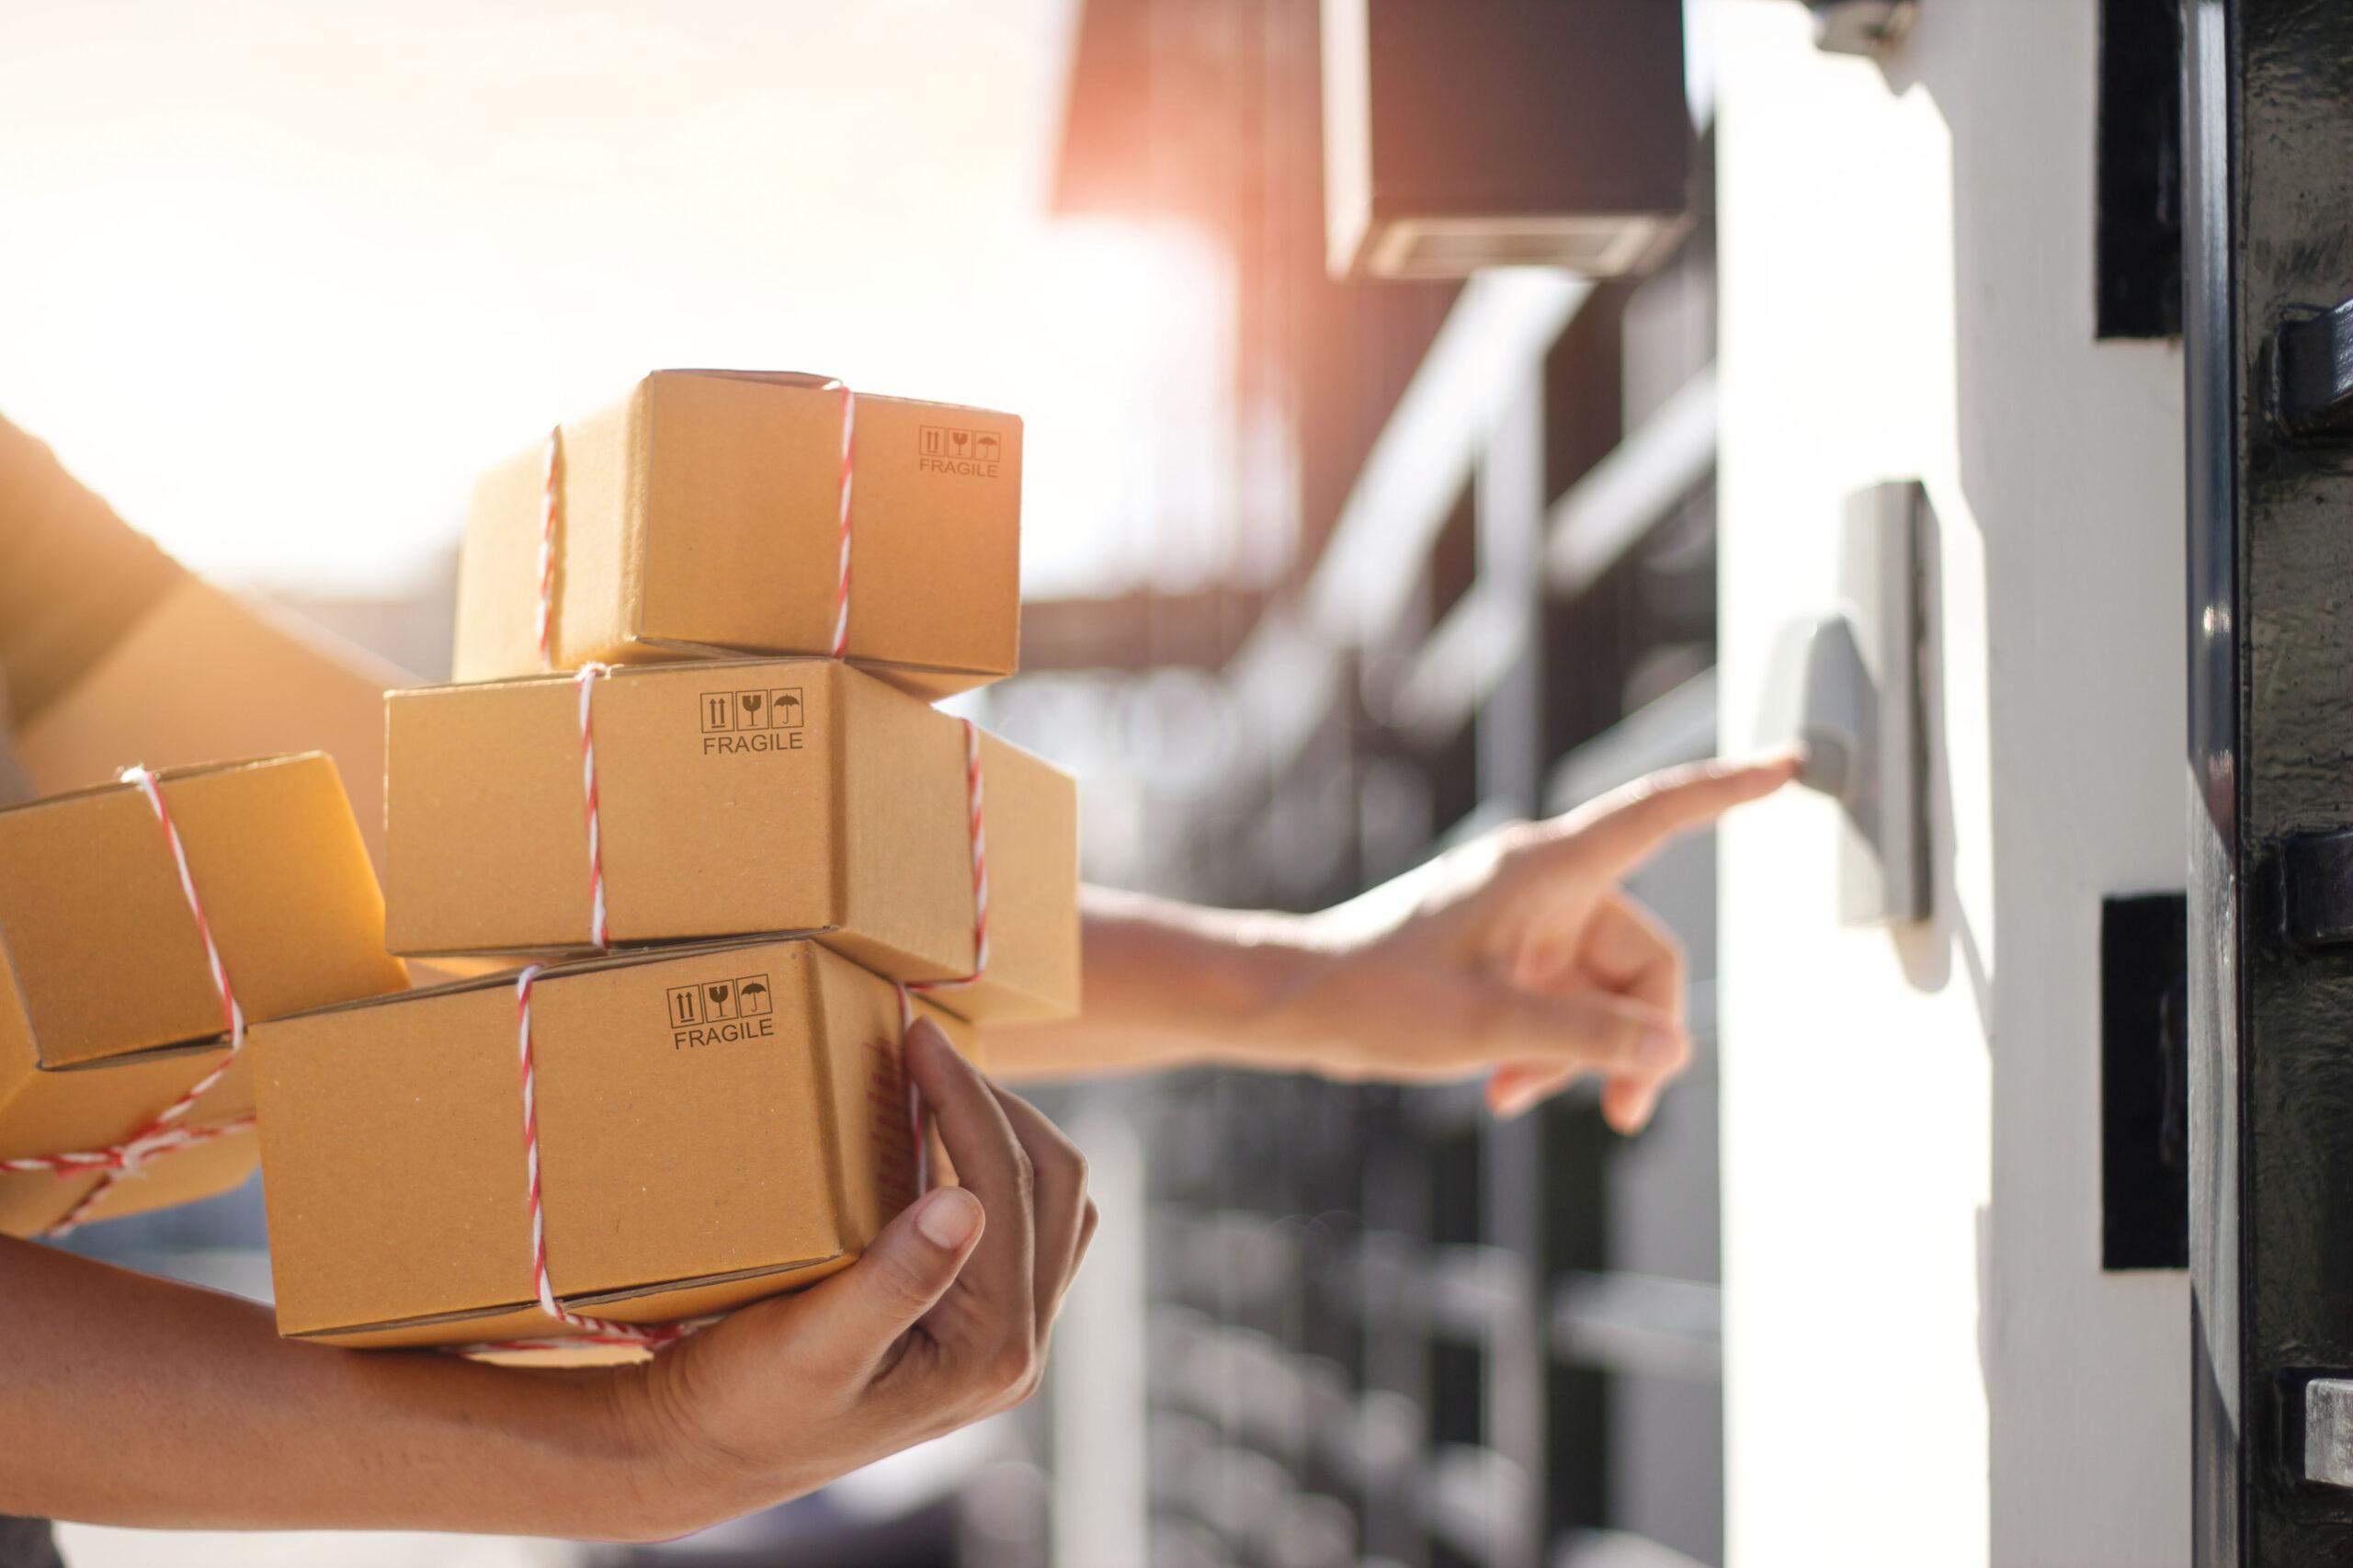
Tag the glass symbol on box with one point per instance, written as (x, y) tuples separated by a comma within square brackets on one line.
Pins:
[(777, 709), (716, 1001)]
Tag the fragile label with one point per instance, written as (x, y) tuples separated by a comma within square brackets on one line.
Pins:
[(717, 1011), (949, 448), (759, 719)]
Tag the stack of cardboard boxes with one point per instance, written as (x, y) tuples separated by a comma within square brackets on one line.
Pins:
[(735, 863), (739, 873)]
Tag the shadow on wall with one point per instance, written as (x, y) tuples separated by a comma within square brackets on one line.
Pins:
[(2070, 479), (1925, 949)]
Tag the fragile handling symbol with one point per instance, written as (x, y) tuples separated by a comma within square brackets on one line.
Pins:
[(759, 709), (948, 448), (720, 1001)]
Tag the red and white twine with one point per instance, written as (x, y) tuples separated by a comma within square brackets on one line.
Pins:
[(548, 506), (162, 1132), (586, 680), (652, 1337), (841, 587), (607, 1331), (593, 1330), (975, 801)]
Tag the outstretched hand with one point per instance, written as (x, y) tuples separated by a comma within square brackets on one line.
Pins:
[(1518, 954)]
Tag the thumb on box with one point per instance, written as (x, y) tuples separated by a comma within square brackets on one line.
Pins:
[(908, 1269)]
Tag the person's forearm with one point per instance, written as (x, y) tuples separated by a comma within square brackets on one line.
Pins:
[(1165, 984), (130, 1401), (207, 676)]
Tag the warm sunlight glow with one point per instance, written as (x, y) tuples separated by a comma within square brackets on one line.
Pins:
[(279, 280)]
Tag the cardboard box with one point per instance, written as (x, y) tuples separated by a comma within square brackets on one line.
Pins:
[(49, 1112), (207, 677), (716, 1124), (103, 957), (108, 1009), (734, 797), (703, 516)]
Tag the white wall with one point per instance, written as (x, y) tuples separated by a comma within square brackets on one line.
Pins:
[(1926, 1365)]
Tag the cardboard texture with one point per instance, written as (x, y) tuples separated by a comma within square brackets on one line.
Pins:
[(206, 676), (734, 798), (701, 515), (100, 950), (108, 1009), (717, 1123), (89, 1108)]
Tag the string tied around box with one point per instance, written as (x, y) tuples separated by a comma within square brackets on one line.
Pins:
[(164, 1132), (599, 923), (976, 801), (552, 508), (654, 1337), (593, 1330)]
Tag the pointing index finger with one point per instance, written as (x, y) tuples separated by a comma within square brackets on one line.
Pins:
[(1627, 826)]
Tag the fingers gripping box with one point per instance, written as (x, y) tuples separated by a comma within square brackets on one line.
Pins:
[(703, 514), (715, 1124), (731, 799)]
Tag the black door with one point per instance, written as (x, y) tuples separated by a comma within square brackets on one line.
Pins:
[(2267, 141)]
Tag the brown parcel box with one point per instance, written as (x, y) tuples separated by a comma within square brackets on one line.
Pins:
[(104, 958), (99, 1105), (734, 798), (716, 1124), (703, 514), (109, 1012)]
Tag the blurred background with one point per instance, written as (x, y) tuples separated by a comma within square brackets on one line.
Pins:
[(1341, 543)]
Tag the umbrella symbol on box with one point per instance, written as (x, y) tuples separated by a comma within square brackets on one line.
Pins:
[(985, 448), (752, 993)]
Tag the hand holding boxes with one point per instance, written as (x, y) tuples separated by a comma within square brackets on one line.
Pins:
[(760, 867)]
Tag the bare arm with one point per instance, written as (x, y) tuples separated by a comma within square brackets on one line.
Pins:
[(133, 1401), (1516, 957), (205, 676), (126, 1400), (1168, 984), (140, 1402)]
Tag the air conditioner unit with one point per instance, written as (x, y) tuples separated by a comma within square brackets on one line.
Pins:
[(1461, 134)]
